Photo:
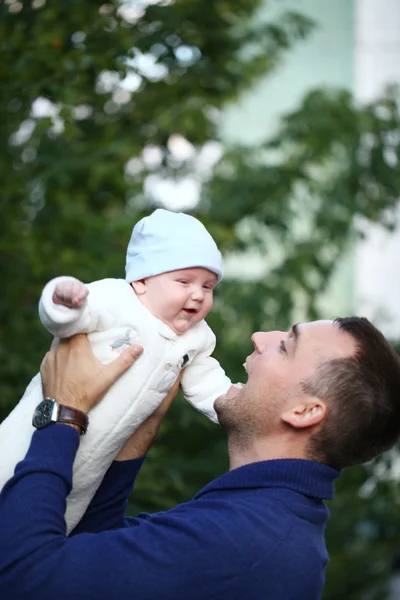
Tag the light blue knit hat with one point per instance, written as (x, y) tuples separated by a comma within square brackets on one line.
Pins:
[(168, 241)]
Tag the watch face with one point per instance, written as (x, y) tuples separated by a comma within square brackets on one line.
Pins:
[(42, 414)]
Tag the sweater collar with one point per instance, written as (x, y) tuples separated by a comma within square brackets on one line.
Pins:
[(304, 476)]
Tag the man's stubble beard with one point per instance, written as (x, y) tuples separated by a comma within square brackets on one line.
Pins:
[(245, 418)]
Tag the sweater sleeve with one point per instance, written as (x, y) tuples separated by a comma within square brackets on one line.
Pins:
[(107, 508), (204, 380), (97, 314), (156, 556)]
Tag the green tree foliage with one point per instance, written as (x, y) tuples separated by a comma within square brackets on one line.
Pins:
[(74, 182)]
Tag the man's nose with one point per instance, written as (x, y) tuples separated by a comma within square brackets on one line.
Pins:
[(262, 340)]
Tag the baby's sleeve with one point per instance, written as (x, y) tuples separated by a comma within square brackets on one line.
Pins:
[(62, 321), (204, 380)]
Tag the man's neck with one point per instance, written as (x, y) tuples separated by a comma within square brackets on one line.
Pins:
[(241, 453)]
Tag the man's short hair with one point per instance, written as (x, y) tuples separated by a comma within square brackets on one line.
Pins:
[(363, 398)]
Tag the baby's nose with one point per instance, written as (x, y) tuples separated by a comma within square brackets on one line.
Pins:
[(198, 293)]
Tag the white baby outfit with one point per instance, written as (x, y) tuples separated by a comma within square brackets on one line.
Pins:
[(114, 318)]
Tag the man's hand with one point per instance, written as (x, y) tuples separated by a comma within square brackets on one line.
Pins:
[(141, 439), (71, 293), (73, 376)]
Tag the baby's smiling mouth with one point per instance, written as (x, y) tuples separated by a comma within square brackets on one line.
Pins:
[(190, 311)]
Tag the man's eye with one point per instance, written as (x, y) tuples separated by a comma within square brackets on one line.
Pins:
[(282, 346)]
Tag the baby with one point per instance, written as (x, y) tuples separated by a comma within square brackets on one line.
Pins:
[(172, 267)]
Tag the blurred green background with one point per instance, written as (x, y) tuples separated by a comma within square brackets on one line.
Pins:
[(111, 109)]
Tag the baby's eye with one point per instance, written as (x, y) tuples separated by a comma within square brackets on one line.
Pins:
[(208, 287), (182, 281)]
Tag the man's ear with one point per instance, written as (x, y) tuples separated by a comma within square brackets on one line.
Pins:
[(307, 414), (139, 287)]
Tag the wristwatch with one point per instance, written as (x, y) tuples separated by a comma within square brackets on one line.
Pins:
[(49, 411)]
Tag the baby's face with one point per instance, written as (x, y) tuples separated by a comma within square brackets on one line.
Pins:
[(179, 298)]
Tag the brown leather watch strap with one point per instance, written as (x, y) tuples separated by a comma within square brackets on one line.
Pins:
[(66, 414)]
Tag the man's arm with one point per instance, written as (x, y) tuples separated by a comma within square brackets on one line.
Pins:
[(107, 509), (164, 555), (155, 557)]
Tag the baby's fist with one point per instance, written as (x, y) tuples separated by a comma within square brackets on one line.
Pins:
[(71, 293)]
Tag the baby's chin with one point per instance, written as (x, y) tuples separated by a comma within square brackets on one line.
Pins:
[(181, 326)]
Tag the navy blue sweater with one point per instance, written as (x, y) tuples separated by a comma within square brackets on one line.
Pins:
[(254, 533)]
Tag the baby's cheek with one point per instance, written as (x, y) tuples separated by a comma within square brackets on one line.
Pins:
[(208, 305)]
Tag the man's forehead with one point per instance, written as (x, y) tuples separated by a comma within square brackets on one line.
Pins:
[(315, 326), (327, 331), (322, 324), (317, 330)]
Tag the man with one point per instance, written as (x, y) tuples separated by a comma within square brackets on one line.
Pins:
[(319, 398)]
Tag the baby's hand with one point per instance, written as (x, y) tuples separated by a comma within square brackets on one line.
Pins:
[(71, 293)]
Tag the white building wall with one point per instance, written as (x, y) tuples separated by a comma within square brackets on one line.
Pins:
[(324, 59), (377, 260)]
